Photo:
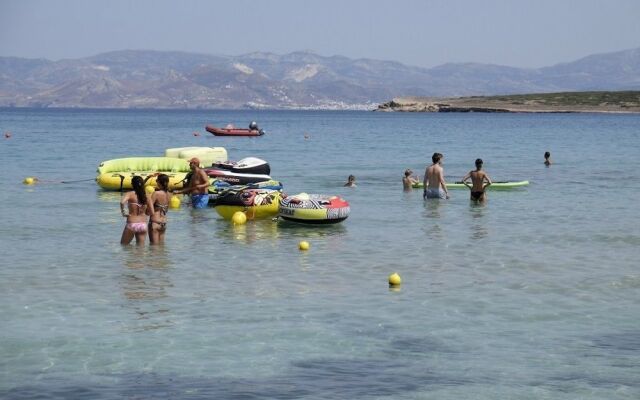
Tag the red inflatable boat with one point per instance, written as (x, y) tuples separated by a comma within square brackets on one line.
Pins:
[(232, 131)]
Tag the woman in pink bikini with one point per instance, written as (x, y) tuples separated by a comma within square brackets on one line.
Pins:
[(136, 201)]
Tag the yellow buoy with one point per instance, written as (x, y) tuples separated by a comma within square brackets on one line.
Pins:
[(303, 245), (239, 218), (394, 279), (28, 180), (174, 202), (149, 189)]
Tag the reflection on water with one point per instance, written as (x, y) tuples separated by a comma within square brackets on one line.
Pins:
[(144, 282), (250, 232), (311, 230), (432, 229), (432, 208), (478, 227), (108, 196)]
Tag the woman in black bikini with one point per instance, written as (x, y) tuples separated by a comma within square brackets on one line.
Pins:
[(158, 204), (480, 180)]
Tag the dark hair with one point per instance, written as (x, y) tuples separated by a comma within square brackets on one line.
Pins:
[(479, 162), (163, 182), (407, 172), (547, 154), (138, 186), (436, 157), (351, 177)]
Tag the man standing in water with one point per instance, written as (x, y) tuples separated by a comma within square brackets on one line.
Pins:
[(478, 180), (434, 185), (197, 186)]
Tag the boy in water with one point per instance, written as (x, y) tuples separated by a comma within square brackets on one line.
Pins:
[(547, 158), (408, 181), (434, 185), (351, 181), (480, 180)]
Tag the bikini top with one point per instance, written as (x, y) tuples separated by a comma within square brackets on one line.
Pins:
[(141, 207), (162, 207)]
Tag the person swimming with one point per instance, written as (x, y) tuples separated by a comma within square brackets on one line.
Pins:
[(136, 202), (480, 181), (547, 158), (351, 181), (408, 180)]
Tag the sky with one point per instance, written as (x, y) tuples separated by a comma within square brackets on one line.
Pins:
[(423, 33)]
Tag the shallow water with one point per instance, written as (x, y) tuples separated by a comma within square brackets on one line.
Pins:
[(534, 295)]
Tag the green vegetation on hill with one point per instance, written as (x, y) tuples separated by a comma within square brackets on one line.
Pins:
[(625, 99), (561, 102)]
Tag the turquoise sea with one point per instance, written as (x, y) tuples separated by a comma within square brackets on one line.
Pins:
[(535, 295)]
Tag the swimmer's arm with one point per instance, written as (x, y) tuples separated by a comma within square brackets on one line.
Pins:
[(465, 178), (488, 180), (150, 209), (123, 201), (443, 184)]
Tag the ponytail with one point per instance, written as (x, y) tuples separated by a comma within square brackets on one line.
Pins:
[(138, 186)]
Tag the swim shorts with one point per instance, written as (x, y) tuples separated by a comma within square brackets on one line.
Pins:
[(435, 194), (200, 200)]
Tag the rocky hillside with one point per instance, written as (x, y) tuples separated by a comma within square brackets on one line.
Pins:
[(609, 102), (152, 79)]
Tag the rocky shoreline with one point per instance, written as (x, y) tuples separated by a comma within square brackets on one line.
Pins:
[(575, 102)]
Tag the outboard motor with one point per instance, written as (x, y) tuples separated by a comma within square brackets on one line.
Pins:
[(253, 126)]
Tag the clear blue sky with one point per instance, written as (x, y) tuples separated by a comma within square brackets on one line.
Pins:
[(422, 33)]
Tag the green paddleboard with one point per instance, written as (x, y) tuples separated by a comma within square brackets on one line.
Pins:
[(494, 185)]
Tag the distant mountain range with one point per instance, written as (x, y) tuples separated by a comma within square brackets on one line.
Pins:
[(160, 79)]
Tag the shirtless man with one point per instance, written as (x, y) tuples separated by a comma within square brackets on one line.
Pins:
[(434, 185), (408, 181), (480, 180), (197, 186)]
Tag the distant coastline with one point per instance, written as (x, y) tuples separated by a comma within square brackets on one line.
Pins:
[(562, 102)]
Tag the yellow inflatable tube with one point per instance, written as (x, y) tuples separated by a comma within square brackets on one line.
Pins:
[(252, 212), (116, 174)]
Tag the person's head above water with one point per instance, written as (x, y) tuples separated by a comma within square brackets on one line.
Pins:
[(436, 157), (408, 172), (547, 155), (351, 178), (479, 163)]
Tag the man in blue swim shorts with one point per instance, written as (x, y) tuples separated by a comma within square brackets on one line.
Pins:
[(434, 185), (197, 186)]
